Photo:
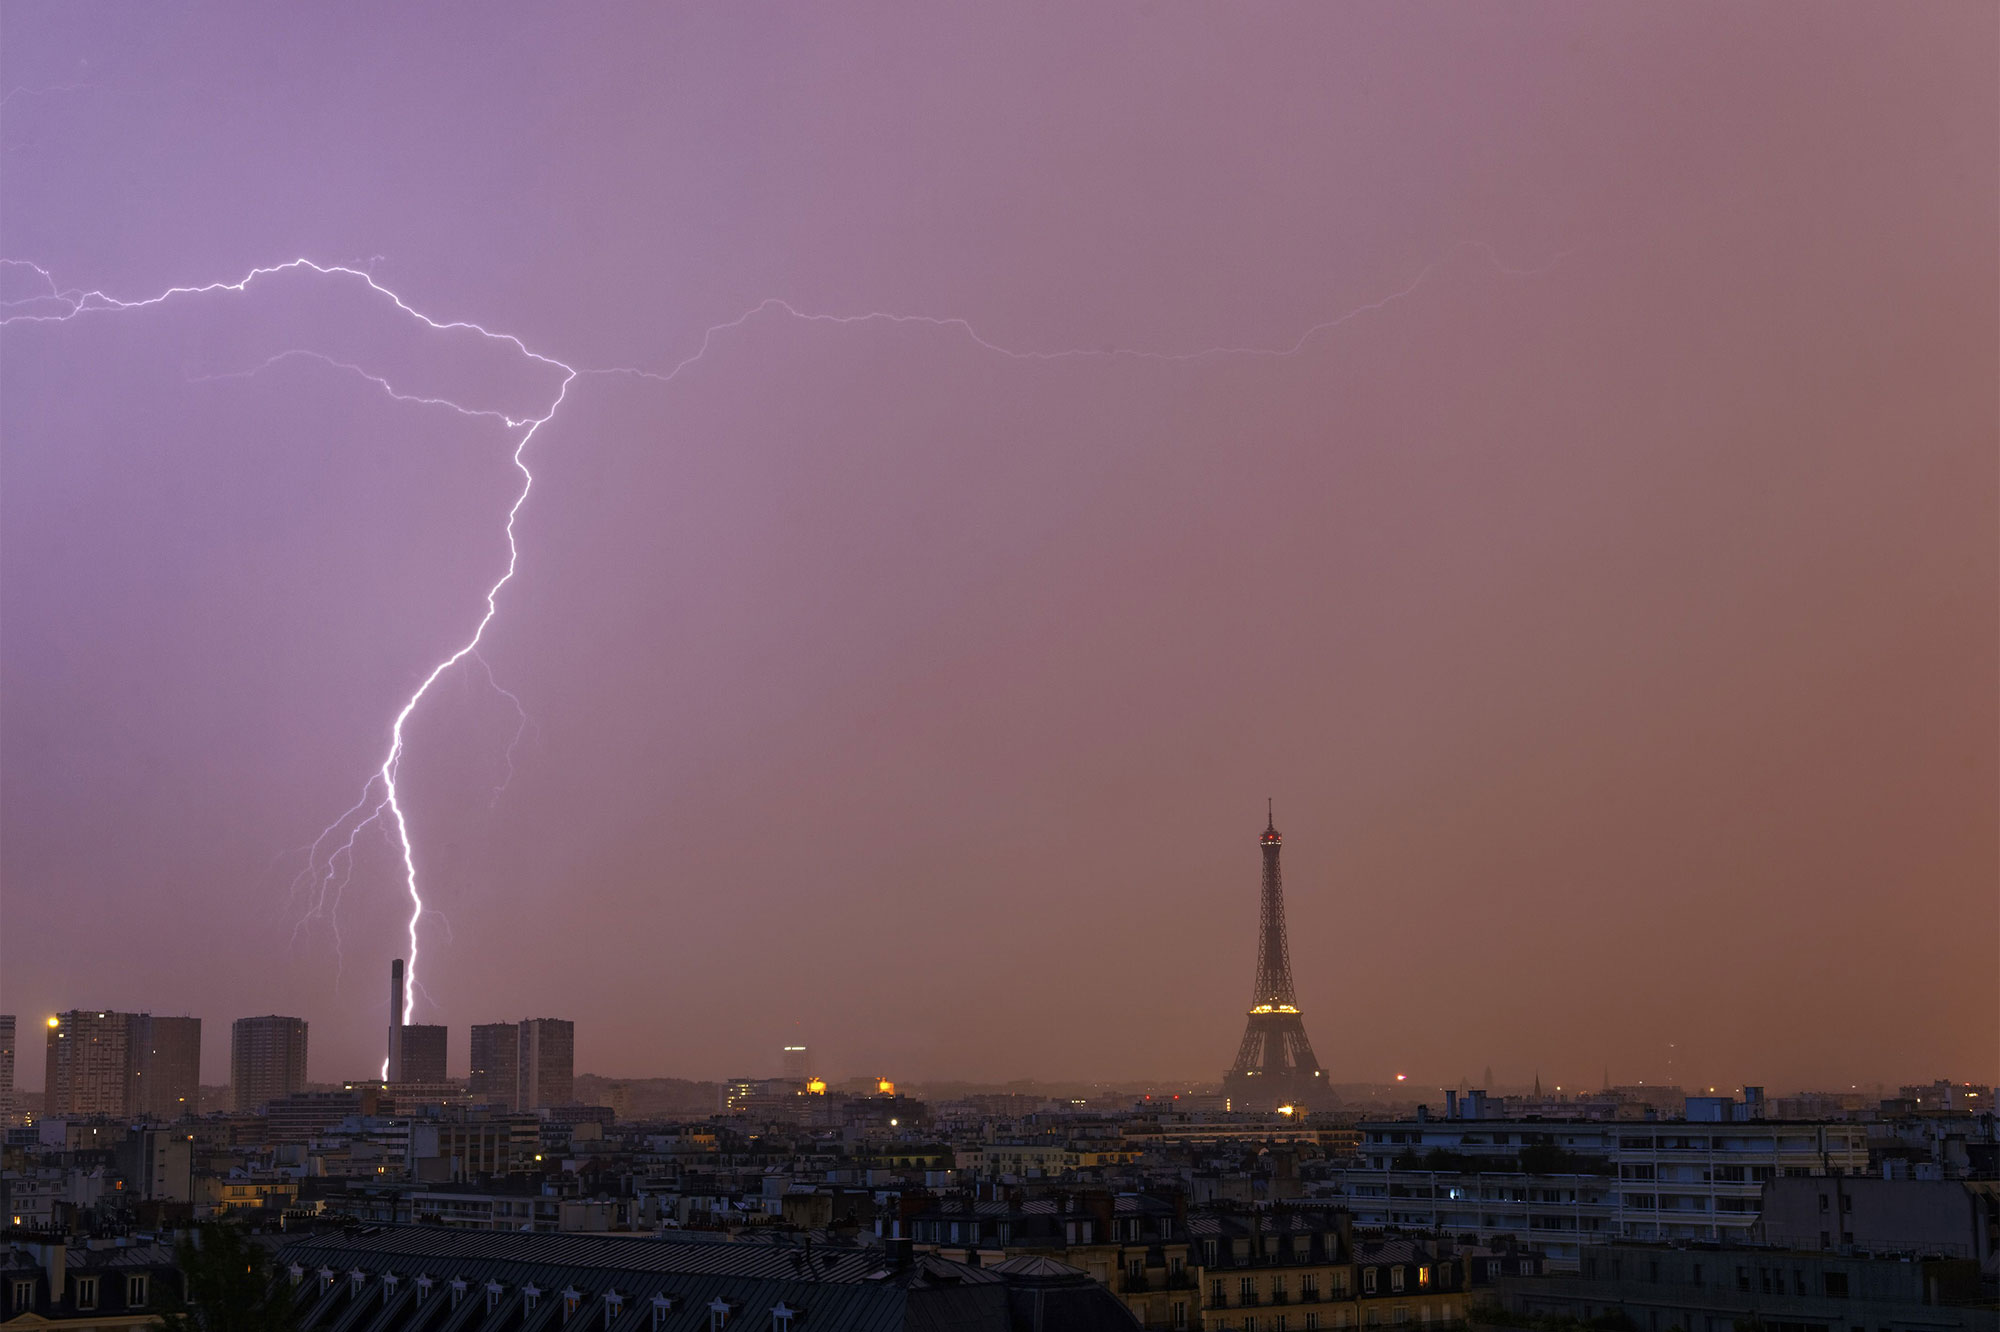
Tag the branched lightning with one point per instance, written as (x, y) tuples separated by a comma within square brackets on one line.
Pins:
[(73, 304), (330, 858)]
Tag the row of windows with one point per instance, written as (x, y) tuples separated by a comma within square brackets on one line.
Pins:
[(1657, 1143), (83, 1292), (719, 1313), (1277, 1289), (1313, 1321)]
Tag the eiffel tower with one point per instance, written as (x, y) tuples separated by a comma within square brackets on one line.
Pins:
[(1275, 1064)]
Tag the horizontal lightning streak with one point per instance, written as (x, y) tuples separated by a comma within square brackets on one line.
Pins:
[(965, 327)]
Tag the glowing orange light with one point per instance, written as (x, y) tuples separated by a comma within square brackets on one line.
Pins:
[(1402, 1077), (816, 1087), (884, 1087), (55, 1022)]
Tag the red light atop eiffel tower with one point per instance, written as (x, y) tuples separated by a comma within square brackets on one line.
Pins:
[(1275, 1065)]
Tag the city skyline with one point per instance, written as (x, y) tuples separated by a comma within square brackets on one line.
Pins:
[(1551, 451)]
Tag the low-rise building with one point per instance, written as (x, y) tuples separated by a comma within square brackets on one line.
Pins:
[(48, 1282), (1710, 1288), (1565, 1184), (405, 1279)]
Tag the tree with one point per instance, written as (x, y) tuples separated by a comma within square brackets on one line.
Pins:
[(228, 1284)]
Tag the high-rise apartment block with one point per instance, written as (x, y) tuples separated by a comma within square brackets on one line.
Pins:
[(88, 1064), (547, 1074), (106, 1063), (423, 1051), (6, 1064), (793, 1066), (163, 1074), (267, 1059), (496, 1064)]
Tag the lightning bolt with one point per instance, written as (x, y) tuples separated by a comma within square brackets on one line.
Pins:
[(325, 877)]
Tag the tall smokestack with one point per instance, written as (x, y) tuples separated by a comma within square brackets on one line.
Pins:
[(396, 1020)]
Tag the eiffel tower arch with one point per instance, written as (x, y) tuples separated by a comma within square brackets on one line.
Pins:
[(1275, 1065)]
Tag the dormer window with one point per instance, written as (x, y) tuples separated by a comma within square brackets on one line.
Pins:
[(661, 1305), (296, 1273), (424, 1284), (86, 1292), (530, 1297), (493, 1289), (718, 1315), (137, 1289), (781, 1317), (614, 1304)]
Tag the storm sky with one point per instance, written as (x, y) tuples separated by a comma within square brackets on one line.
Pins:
[(1583, 526)]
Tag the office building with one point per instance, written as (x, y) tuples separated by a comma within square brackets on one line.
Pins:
[(88, 1064), (303, 1116), (1940, 1218), (6, 1064), (423, 1055), (267, 1059), (547, 1070), (163, 1066), (793, 1065), (158, 1163), (496, 1064)]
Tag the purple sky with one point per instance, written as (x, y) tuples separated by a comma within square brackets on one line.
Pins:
[(1611, 613)]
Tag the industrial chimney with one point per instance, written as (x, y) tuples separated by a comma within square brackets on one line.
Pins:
[(396, 1020)]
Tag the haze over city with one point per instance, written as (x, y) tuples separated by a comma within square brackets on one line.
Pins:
[(1547, 450)]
